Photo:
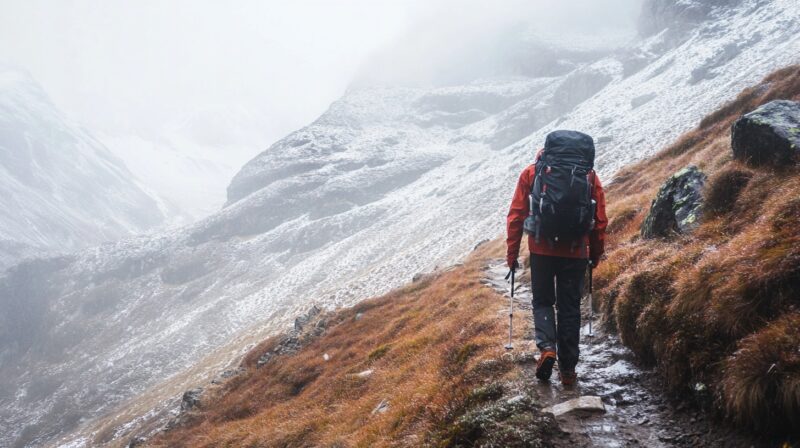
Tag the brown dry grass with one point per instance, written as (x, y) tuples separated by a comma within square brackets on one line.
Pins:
[(715, 307), (749, 389), (429, 344)]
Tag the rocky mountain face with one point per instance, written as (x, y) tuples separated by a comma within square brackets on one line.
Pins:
[(60, 189), (676, 16), (388, 182)]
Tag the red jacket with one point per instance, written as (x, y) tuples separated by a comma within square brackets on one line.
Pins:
[(519, 211)]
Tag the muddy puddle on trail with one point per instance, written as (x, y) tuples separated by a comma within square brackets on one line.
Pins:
[(636, 411)]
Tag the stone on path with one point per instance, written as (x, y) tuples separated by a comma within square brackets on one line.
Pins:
[(585, 403), (382, 407)]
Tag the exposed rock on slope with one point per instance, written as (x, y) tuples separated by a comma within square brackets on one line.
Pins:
[(769, 135), (676, 207), (679, 15)]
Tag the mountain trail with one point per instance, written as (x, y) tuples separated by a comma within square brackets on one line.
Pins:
[(637, 413)]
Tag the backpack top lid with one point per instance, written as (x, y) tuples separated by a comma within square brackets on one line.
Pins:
[(570, 147)]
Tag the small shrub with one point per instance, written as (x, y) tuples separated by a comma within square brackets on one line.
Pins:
[(651, 326), (378, 353), (297, 380), (784, 84), (606, 274), (752, 199), (723, 190), (490, 392), (640, 311), (761, 382), (734, 108), (685, 143), (607, 298), (787, 218), (460, 356), (621, 219), (455, 357), (492, 368), (236, 412), (516, 424)]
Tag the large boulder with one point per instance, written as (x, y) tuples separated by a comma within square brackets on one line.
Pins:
[(676, 207), (769, 135)]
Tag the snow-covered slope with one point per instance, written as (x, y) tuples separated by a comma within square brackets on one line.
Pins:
[(388, 182), (60, 189)]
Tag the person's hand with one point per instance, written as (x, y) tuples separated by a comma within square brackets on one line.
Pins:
[(512, 264)]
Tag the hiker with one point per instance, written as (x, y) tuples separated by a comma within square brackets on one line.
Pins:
[(559, 203)]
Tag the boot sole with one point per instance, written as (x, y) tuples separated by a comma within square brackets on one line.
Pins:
[(545, 371)]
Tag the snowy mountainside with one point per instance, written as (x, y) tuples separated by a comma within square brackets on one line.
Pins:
[(62, 190), (388, 182)]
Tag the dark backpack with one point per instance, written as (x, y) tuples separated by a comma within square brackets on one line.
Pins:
[(561, 204)]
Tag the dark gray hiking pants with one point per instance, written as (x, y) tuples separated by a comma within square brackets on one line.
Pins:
[(558, 281)]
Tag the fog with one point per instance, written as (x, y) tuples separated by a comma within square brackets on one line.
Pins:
[(186, 92), (138, 67), (458, 41), (250, 72)]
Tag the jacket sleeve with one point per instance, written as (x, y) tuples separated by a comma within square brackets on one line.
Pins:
[(597, 237), (516, 216)]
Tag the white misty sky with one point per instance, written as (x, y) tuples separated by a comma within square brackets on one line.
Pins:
[(135, 66), (251, 70)]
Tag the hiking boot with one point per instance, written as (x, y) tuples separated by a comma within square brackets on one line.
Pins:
[(568, 378), (544, 368)]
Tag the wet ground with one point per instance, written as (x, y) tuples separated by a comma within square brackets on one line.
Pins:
[(637, 411)]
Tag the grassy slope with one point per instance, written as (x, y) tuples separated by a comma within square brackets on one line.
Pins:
[(429, 344), (719, 308)]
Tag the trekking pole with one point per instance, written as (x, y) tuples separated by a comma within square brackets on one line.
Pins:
[(591, 301), (510, 345)]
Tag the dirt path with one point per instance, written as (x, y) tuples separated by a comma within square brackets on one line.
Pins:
[(637, 413)]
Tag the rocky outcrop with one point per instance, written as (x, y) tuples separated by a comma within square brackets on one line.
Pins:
[(769, 135), (708, 68), (306, 328), (676, 208), (421, 276), (301, 321), (677, 14), (136, 442), (191, 399), (511, 422)]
